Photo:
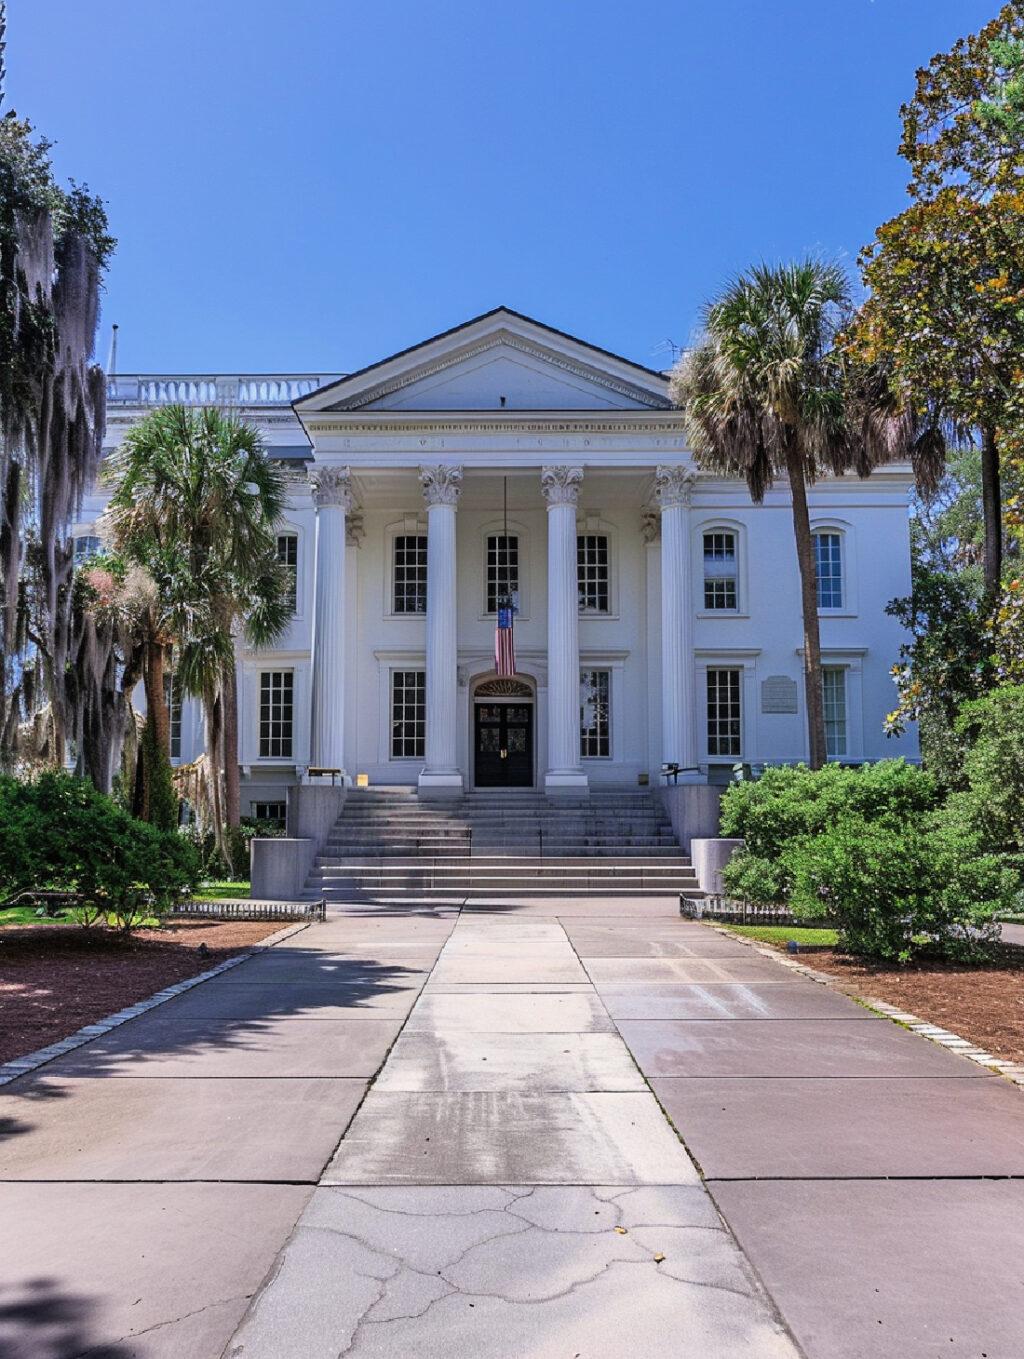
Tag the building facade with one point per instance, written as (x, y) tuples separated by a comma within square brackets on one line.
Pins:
[(656, 609)]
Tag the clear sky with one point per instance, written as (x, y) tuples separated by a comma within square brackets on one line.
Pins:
[(313, 184)]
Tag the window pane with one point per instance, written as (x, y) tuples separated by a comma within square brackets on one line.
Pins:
[(724, 713), (172, 697), (408, 714), (288, 556), (85, 547), (276, 692), (410, 573), (720, 570), (833, 686), (828, 560), (592, 570), (502, 570), (270, 813), (595, 714)]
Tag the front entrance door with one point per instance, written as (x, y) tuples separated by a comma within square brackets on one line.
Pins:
[(503, 745)]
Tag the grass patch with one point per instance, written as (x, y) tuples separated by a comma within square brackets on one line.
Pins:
[(222, 891), (28, 915), (804, 935)]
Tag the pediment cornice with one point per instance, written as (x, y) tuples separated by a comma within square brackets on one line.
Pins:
[(502, 339)]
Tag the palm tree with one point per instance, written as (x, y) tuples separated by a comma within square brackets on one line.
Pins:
[(766, 392), (195, 501)]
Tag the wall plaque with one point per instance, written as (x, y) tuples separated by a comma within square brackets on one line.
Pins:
[(778, 694)]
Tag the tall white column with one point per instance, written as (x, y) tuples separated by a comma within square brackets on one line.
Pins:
[(561, 486), (673, 490), (332, 494), (441, 776)]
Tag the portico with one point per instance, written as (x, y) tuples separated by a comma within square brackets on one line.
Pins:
[(657, 610)]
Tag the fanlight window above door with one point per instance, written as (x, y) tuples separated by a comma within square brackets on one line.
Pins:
[(503, 688)]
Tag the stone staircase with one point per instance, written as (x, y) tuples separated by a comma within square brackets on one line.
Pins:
[(387, 844)]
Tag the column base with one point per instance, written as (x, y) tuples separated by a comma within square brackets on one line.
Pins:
[(439, 785), (566, 782)]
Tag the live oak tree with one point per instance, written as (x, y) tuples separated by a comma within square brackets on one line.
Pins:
[(946, 276), (767, 393), (54, 246)]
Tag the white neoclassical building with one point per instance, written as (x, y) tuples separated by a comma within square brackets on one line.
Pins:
[(657, 610)]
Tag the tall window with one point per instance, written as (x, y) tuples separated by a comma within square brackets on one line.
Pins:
[(502, 569), (172, 697), (828, 560), (720, 570), (288, 556), (595, 714), (724, 713), (592, 570), (276, 709), (408, 714), (85, 547), (833, 686), (410, 573)]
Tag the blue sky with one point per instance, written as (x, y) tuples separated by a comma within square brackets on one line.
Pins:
[(313, 185)]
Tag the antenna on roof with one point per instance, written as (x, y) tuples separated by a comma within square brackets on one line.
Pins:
[(112, 357)]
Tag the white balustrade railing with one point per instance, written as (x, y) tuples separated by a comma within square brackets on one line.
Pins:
[(195, 389)]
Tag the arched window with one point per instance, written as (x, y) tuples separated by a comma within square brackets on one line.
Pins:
[(828, 562), (288, 556), (502, 570), (594, 574), (721, 570), (86, 546), (409, 573)]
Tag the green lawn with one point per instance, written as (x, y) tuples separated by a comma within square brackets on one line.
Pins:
[(782, 934), (26, 915), (222, 891)]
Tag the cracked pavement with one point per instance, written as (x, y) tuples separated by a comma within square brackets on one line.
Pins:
[(510, 1187), (448, 1131)]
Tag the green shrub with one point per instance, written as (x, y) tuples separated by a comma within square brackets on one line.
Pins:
[(893, 890), (67, 836), (775, 813), (791, 800), (991, 807)]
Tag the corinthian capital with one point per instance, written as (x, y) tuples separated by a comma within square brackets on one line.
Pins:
[(674, 486), (332, 486), (561, 485), (441, 485)]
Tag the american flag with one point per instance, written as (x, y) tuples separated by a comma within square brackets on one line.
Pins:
[(504, 642)]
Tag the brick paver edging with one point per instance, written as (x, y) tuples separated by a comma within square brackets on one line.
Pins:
[(1013, 1071), (10, 1071)]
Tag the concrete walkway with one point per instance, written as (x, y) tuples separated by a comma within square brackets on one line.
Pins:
[(196, 1183)]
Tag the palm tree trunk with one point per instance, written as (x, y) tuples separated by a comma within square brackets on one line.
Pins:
[(232, 789), (156, 700), (215, 764), (809, 604), (156, 711), (991, 505)]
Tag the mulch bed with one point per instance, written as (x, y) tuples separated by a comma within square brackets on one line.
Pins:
[(984, 1004), (55, 979)]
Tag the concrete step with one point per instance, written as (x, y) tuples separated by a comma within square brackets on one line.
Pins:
[(517, 890)]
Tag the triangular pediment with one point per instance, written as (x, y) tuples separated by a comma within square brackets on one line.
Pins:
[(501, 360)]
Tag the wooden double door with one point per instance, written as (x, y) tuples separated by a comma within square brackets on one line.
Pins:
[(503, 745)]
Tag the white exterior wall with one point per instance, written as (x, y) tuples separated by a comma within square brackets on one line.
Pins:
[(384, 436)]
